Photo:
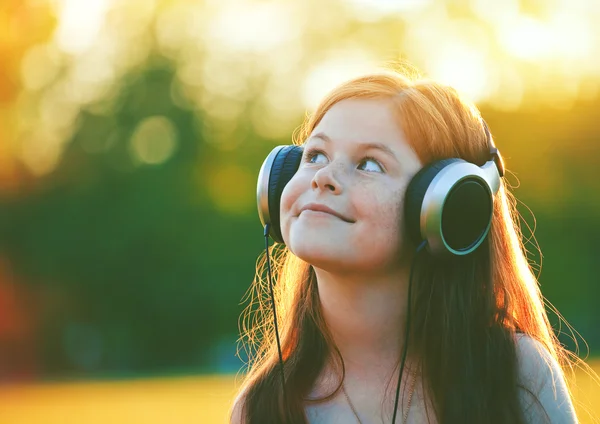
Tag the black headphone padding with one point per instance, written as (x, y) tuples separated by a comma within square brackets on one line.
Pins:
[(284, 167), (415, 193), (467, 214)]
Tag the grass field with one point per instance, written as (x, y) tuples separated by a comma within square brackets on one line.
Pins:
[(182, 400)]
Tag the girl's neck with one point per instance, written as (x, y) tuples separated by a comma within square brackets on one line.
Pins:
[(366, 316)]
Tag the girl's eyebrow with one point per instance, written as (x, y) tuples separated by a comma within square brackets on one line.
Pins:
[(377, 146)]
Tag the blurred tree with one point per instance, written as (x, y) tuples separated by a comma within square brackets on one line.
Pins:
[(136, 250)]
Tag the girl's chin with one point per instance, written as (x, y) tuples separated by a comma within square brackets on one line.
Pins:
[(314, 250)]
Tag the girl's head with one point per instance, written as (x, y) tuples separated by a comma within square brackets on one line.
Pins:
[(363, 144), (361, 148)]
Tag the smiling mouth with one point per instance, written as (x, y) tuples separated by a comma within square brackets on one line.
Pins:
[(320, 213), (324, 214)]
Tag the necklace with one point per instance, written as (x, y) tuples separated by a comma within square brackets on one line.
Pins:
[(410, 394)]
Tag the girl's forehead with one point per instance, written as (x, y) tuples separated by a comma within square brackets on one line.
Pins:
[(359, 119), (367, 122)]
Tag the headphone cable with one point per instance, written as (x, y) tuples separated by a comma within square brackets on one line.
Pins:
[(266, 234)]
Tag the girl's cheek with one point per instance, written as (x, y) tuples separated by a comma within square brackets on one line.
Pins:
[(387, 205), (293, 190), (287, 199)]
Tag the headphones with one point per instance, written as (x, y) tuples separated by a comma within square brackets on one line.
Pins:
[(448, 204)]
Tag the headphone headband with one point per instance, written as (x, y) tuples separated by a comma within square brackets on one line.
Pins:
[(494, 152)]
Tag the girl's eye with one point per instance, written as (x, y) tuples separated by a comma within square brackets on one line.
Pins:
[(368, 164), (312, 154), (376, 168)]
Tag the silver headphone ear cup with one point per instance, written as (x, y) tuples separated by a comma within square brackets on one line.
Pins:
[(277, 170), (262, 186), (450, 205)]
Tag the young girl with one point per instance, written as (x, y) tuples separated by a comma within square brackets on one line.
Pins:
[(389, 280)]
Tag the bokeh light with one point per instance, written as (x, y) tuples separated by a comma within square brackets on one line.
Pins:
[(154, 140)]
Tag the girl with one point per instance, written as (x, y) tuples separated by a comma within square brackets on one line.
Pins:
[(464, 336)]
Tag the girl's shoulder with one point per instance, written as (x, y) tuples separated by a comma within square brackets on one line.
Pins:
[(236, 415), (544, 393)]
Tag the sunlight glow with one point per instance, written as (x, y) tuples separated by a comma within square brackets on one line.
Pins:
[(572, 36), (370, 10), (496, 12), (463, 68), (510, 89), (490, 51), (79, 23), (339, 67), (249, 26), (527, 38)]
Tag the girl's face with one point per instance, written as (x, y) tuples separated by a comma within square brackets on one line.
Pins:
[(358, 163)]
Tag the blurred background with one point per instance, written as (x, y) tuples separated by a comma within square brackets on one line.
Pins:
[(131, 136)]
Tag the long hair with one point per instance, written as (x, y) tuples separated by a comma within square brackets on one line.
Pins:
[(465, 311)]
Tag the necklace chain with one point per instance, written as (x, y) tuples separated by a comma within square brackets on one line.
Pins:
[(405, 415)]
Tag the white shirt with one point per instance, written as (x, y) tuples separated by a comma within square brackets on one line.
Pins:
[(540, 373)]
